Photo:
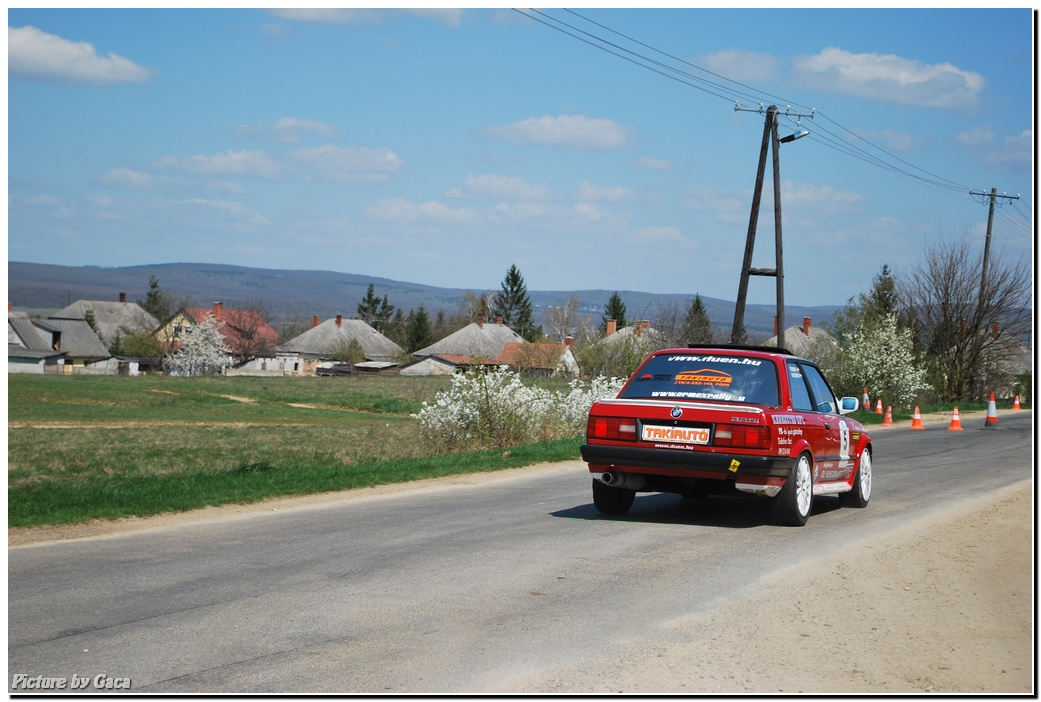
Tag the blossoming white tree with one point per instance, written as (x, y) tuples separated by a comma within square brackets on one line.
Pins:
[(881, 355), (494, 409), (202, 350)]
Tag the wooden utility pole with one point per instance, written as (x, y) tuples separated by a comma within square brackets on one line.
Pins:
[(769, 140), (990, 226)]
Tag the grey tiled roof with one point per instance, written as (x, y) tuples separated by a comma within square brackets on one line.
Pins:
[(75, 337), (474, 340), (112, 318), (328, 338)]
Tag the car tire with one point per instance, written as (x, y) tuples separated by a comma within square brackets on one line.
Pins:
[(612, 500), (794, 502), (861, 492)]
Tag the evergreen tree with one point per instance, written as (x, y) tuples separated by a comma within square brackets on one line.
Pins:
[(614, 309), (374, 311), (513, 303), (419, 333), (697, 327), (157, 302)]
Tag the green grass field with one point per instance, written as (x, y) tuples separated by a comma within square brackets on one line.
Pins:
[(102, 447), (82, 447)]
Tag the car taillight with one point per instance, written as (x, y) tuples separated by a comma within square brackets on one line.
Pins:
[(742, 436), (614, 428)]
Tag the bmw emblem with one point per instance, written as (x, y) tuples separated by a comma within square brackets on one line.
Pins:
[(676, 412)]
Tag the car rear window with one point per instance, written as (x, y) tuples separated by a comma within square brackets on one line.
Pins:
[(696, 376)]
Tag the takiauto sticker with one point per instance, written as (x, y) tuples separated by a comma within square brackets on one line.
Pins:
[(676, 435), (705, 376)]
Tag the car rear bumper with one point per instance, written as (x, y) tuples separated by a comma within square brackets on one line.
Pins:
[(720, 466)]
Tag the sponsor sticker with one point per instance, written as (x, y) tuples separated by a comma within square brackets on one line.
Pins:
[(705, 376), (676, 435)]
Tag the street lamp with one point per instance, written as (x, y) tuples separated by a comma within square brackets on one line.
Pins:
[(792, 137)]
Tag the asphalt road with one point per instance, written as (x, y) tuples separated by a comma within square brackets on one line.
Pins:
[(448, 588)]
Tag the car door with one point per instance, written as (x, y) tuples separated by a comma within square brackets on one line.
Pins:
[(834, 459), (811, 422)]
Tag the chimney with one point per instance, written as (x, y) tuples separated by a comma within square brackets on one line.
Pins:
[(640, 326), (122, 297), (480, 320), (806, 323), (995, 329), (612, 327), (218, 311), (569, 342), (498, 319), (339, 320), (314, 321)]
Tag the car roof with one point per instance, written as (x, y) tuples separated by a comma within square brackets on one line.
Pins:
[(737, 348)]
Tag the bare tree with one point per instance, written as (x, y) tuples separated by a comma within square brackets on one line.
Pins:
[(564, 321), (251, 327), (965, 330)]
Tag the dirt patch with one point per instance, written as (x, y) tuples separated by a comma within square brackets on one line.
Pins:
[(941, 605)]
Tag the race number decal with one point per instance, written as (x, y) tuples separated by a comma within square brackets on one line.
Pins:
[(843, 440)]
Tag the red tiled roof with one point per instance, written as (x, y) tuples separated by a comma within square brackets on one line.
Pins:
[(517, 353), (242, 329)]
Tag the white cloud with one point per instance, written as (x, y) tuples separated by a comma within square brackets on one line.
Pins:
[(743, 66), (655, 164), (401, 210), (238, 213), (660, 234), (448, 17), (573, 131), (890, 78), (587, 191), (1015, 153), (976, 137), (354, 163), (287, 130), (589, 211), (509, 188), (727, 205), (889, 139), (816, 198), (255, 164), (127, 177), (36, 55)]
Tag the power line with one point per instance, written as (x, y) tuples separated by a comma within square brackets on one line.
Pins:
[(735, 91)]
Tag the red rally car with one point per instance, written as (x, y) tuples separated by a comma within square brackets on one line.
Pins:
[(707, 419)]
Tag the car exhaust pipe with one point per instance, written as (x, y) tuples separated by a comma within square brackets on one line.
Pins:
[(623, 480)]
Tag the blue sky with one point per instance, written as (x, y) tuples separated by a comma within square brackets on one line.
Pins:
[(441, 147)]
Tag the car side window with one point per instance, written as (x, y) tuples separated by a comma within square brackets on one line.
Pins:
[(800, 394), (823, 397)]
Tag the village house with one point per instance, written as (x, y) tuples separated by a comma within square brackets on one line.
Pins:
[(60, 346), (246, 333), (807, 340), (114, 321), (329, 341), (476, 343), (541, 360)]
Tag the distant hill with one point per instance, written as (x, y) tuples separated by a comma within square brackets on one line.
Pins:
[(291, 294)]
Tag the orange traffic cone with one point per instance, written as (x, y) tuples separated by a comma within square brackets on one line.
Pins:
[(955, 422), (887, 421), (992, 414), (866, 402), (1015, 405), (916, 421), (878, 407)]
